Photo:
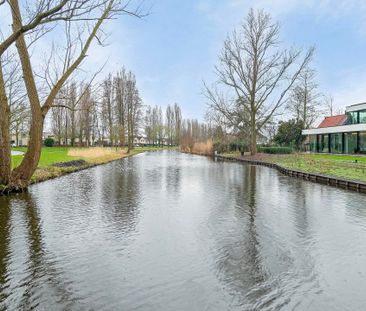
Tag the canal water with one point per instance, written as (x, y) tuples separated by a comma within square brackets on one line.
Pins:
[(172, 231)]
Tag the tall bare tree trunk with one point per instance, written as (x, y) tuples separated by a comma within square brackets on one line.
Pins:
[(122, 136), (5, 153), (253, 149), (129, 126), (23, 173), (17, 133), (253, 127)]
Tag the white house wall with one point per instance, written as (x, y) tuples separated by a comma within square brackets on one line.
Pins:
[(336, 129), (357, 107)]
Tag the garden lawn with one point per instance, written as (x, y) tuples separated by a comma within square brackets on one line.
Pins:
[(93, 156), (352, 167), (343, 166), (49, 156)]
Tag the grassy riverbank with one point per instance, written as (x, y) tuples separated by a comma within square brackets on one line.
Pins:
[(92, 156), (351, 167)]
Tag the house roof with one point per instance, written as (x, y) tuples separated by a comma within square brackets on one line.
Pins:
[(333, 121)]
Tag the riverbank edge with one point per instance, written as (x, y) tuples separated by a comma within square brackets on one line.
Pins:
[(72, 169), (338, 182)]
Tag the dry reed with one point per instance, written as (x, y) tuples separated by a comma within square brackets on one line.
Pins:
[(95, 152), (205, 148)]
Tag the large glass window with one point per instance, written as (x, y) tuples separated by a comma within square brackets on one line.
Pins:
[(336, 143), (362, 116), (350, 142), (313, 143), (356, 117), (324, 143), (352, 117), (362, 142)]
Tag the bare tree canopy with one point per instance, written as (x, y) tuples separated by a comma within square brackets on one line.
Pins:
[(163, 132), (44, 13), (305, 101), (30, 21), (257, 73)]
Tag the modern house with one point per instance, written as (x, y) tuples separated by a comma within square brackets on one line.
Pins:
[(340, 134)]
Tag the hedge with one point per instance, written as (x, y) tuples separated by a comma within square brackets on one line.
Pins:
[(49, 142), (275, 150)]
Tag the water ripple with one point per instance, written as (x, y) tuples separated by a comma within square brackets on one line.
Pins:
[(171, 231)]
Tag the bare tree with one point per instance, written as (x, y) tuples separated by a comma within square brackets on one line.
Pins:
[(108, 116), (134, 104), (178, 123), (148, 124), (19, 122), (305, 101), (160, 130), (74, 114), (169, 125), (62, 115), (72, 102), (329, 103), (156, 124), (58, 117), (193, 132), (19, 107), (259, 74), (86, 116), (42, 16), (120, 85), (227, 113)]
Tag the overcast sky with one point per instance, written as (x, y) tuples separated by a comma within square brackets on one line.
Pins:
[(174, 48)]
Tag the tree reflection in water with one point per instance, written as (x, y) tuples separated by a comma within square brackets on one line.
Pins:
[(40, 283), (253, 266), (121, 191), (181, 232), (5, 214)]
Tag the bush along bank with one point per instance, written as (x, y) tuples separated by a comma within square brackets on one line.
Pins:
[(275, 150)]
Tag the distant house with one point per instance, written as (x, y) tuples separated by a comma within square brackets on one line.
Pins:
[(20, 139), (140, 141), (47, 135), (345, 133)]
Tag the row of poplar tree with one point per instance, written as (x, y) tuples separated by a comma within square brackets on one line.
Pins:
[(112, 113)]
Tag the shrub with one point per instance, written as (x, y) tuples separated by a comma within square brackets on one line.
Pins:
[(49, 142), (221, 147), (239, 145), (275, 150), (289, 133)]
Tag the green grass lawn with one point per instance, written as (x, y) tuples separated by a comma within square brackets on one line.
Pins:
[(49, 156), (344, 166), (340, 166), (340, 157), (92, 156)]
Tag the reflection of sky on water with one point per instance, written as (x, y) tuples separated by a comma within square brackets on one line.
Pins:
[(171, 231)]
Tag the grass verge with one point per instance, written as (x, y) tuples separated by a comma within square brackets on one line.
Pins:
[(92, 156), (352, 167)]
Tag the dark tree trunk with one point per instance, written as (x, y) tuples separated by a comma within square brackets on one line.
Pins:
[(21, 176), (5, 152), (253, 136)]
